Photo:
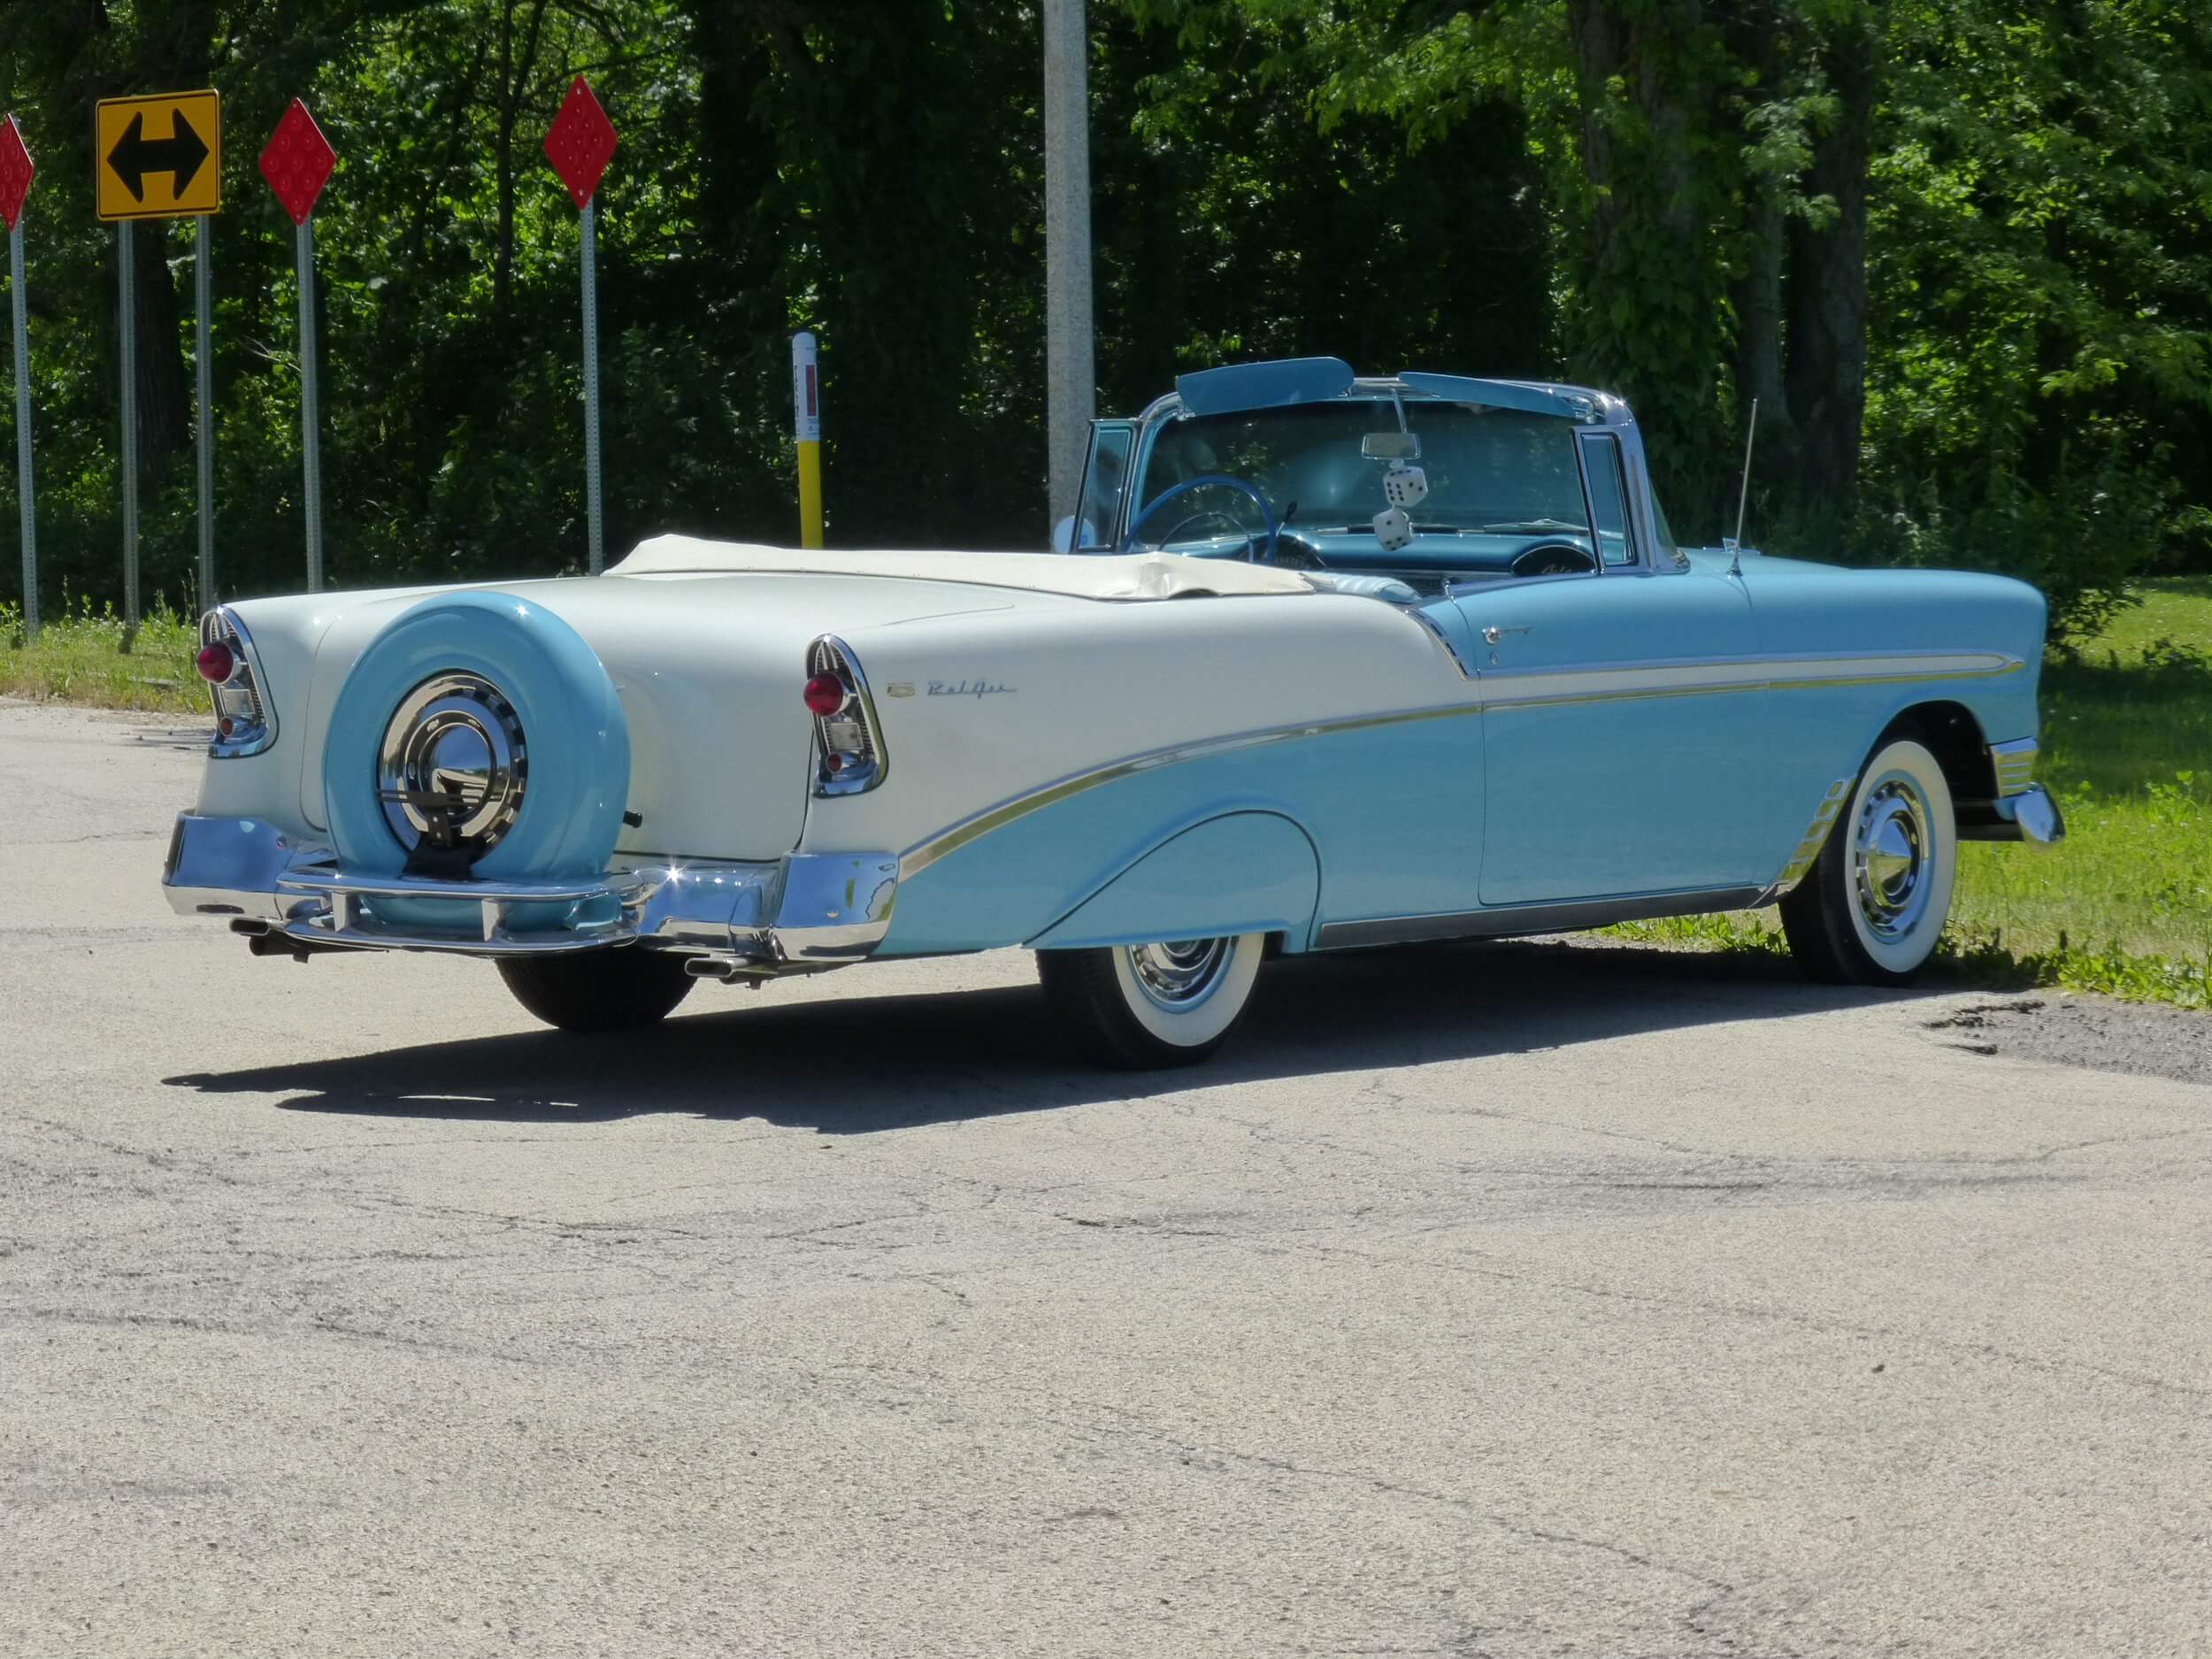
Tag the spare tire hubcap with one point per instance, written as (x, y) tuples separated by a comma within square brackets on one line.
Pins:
[(451, 768)]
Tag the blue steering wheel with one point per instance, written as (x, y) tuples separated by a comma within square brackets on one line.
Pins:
[(1132, 543)]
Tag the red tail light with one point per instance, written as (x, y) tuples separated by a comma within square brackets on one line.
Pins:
[(215, 662), (825, 694)]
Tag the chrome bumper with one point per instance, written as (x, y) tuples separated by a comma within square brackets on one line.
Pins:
[(807, 910), (2030, 816)]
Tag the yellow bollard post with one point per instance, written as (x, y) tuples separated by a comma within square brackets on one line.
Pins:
[(806, 416)]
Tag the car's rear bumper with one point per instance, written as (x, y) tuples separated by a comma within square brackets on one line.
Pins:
[(806, 909)]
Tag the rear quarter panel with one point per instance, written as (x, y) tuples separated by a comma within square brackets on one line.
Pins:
[(1374, 751)]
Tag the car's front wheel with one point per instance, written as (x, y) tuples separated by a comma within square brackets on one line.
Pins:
[(1142, 1007), (1870, 910), (617, 989)]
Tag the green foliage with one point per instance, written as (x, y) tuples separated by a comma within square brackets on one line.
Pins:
[(2038, 396), (1990, 224)]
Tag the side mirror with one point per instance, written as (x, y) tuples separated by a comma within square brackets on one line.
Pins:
[(1063, 535), (1391, 446)]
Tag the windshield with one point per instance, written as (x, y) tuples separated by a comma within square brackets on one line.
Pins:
[(1487, 468)]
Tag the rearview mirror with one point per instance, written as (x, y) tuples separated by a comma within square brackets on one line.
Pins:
[(1391, 446)]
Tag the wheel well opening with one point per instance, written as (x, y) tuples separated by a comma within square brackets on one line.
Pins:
[(1954, 738)]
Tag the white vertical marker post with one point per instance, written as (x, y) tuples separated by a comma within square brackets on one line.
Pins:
[(580, 144), (297, 163), (806, 424), (15, 183)]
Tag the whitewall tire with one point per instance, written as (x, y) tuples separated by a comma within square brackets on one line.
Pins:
[(1146, 1006), (1871, 908)]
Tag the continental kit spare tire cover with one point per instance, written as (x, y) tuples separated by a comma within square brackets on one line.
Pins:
[(561, 722)]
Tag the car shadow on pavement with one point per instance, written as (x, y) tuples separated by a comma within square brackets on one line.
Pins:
[(857, 1065)]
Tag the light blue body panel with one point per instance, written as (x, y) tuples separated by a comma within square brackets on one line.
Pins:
[(1590, 791), (1824, 731), (1271, 385), (1531, 397), (1248, 872), (1392, 812)]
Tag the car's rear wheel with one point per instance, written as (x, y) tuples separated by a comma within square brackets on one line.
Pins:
[(1871, 908), (1142, 1007), (619, 989)]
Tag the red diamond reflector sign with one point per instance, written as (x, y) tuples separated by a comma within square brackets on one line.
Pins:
[(15, 172), (581, 142), (297, 161)]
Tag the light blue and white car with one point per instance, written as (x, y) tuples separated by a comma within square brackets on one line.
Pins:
[(1328, 663)]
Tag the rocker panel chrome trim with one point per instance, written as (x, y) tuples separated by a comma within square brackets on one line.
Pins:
[(1509, 921)]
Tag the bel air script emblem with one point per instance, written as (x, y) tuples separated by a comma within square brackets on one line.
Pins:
[(969, 688)]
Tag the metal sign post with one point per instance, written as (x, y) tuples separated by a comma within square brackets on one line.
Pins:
[(127, 323), (296, 161), (580, 144), (310, 422), (806, 423), (203, 289), (1070, 374), (595, 533), (139, 175), (15, 183)]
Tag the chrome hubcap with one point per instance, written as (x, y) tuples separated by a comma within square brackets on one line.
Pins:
[(451, 768), (1890, 851), (1179, 975)]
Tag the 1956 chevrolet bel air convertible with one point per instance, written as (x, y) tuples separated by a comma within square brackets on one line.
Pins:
[(1327, 661)]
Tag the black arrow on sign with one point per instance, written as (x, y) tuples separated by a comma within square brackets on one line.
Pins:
[(179, 155)]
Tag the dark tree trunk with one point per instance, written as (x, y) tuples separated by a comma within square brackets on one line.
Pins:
[(1650, 324), (1759, 39), (1759, 354), (518, 64), (1826, 375), (737, 153), (164, 412)]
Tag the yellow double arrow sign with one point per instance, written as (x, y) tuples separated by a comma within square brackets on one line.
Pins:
[(160, 156)]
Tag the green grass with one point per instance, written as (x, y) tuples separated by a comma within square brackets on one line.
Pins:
[(79, 659), (2124, 905)]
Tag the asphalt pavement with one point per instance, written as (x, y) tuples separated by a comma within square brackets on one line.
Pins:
[(1538, 1299)]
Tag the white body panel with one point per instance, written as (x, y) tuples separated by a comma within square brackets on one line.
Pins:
[(706, 644)]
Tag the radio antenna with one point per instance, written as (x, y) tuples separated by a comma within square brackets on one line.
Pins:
[(1743, 498)]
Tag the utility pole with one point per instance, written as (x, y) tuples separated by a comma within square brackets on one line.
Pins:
[(1071, 372)]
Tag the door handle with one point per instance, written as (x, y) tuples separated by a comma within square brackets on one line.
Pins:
[(1492, 634)]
